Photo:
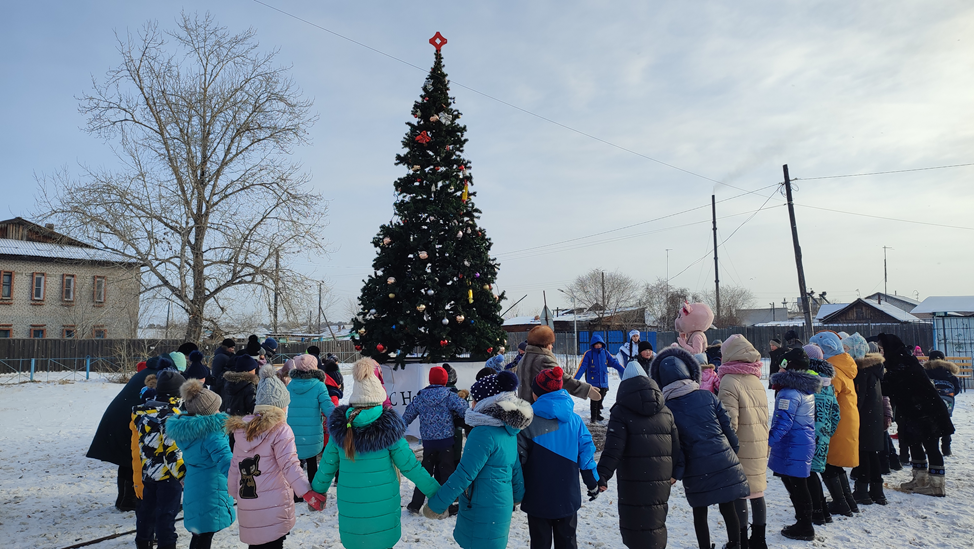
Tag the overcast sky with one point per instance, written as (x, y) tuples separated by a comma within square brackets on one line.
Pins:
[(727, 91)]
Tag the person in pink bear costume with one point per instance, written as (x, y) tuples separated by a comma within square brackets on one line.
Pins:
[(693, 320)]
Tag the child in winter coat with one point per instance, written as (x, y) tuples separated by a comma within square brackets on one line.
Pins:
[(552, 451), (265, 469), (595, 365), (708, 377), (746, 402), (367, 446), (198, 370), (199, 433), (713, 474), (488, 481), (826, 420), (435, 406), (240, 386), (943, 374), (641, 444), (309, 402), (792, 438), (161, 464)]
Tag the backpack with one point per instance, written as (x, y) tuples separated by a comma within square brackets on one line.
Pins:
[(945, 389)]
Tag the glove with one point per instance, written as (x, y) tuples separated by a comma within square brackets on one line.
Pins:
[(594, 493), (594, 394), (430, 514), (315, 500)]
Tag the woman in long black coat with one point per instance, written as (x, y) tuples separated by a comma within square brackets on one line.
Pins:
[(921, 416), (872, 421), (642, 444)]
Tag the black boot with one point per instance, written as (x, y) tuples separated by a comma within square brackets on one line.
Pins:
[(826, 514), (141, 544), (851, 501), (838, 506), (818, 517), (861, 495), (945, 446), (129, 501), (744, 543), (876, 493), (803, 529), (757, 540), (894, 462)]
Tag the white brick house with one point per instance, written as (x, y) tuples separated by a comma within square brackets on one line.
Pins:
[(55, 287)]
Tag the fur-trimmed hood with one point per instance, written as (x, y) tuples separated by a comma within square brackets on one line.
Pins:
[(821, 367), (187, 428), (311, 374), (501, 409), (798, 380), (235, 377), (937, 363), (871, 360), (676, 352), (256, 424), (380, 434)]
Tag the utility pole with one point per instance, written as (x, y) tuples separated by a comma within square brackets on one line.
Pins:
[(574, 319), (798, 256), (319, 308), (602, 322), (713, 209), (772, 312), (277, 282), (168, 312), (885, 280)]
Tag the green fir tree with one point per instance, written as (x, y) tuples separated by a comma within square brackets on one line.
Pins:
[(432, 292)]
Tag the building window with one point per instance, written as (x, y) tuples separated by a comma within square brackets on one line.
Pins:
[(38, 331), (67, 287), (68, 332), (99, 285), (6, 331), (37, 289), (99, 332), (7, 287)]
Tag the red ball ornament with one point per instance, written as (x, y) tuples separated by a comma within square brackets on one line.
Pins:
[(490, 350), (444, 343), (380, 347), (358, 347)]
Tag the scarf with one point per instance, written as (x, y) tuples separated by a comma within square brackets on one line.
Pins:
[(742, 368), (476, 417), (679, 388)]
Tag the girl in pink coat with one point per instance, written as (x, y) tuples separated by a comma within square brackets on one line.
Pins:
[(265, 470)]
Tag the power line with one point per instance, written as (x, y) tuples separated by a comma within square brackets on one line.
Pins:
[(502, 102), (884, 173), (887, 218)]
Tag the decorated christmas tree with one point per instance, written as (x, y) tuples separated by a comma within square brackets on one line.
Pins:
[(432, 292)]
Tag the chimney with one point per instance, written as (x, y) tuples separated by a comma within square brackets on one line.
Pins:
[(49, 226)]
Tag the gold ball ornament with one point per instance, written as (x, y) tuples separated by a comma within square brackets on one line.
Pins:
[(392, 296), (421, 307), (423, 255)]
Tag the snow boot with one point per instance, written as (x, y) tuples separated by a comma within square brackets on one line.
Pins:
[(803, 529), (818, 517), (936, 484), (744, 542), (876, 493), (920, 478), (861, 494), (757, 541), (838, 505), (847, 491), (894, 462), (143, 544)]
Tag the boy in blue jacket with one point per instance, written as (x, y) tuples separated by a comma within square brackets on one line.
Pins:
[(553, 450), (435, 406), (595, 365)]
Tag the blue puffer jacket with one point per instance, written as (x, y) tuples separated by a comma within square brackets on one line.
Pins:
[(595, 364), (435, 406), (553, 450), (207, 507), (792, 436), (309, 400)]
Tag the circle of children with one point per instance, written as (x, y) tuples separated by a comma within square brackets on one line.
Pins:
[(247, 436)]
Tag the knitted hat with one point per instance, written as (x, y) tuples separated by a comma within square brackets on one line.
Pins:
[(314, 350), (937, 355), (547, 381), (305, 363), (329, 366), (253, 346), (738, 349), (270, 390), (813, 351), (167, 383), (494, 384), (228, 343), (775, 341), (270, 344), (828, 342), (198, 399), (367, 390), (857, 345), (438, 376), (195, 356), (451, 374), (484, 372), (179, 359), (541, 336), (632, 333), (243, 363), (645, 346), (701, 359), (522, 346), (795, 359), (187, 348), (634, 369)]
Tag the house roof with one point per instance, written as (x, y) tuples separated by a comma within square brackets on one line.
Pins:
[(24, 248), (829, 308), (19, 228), (885, 307), (946, 304)]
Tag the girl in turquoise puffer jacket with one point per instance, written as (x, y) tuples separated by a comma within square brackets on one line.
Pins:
[(309, 402)]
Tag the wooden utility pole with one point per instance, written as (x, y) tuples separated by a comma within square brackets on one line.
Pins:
[(319, 308), (885, 280), (798, 258), (713, 209)]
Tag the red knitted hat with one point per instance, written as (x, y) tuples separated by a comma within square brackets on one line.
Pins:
[(438, 376), (548, 381)]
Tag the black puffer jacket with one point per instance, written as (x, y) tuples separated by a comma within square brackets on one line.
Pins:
[(920, 412), (868, 382), (221, 357), (239, 393), (642, 444)]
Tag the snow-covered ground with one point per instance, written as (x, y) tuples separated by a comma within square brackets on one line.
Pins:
[(51, 496)]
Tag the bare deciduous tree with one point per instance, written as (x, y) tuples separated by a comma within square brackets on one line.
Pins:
[(732, 300), (663, 302), (205, 194), (606, 294)]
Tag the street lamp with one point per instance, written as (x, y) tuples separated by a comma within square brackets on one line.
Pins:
[(574, 317)]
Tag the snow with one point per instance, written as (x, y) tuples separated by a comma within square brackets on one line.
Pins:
[(53, 497)]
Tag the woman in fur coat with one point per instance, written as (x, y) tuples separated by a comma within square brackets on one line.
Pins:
[(872, 421), (367, 446)]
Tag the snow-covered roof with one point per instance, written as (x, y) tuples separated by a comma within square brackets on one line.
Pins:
[(47, 250), (829, 308), (946, 304), (885, 307)]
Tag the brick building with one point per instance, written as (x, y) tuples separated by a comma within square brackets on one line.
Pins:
[(53, 286)]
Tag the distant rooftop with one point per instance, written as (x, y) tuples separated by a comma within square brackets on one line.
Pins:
[(946, 304), (24, 248)]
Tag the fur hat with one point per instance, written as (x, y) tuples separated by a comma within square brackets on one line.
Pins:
[(305, 363), (179, 359), (494, 384), (187, 348), (547, 381), (438, 376), (937, 355), (738, 349), (367, 390), (821, 367), (813, 351), (795, 359), (243, 363), (541, 336), (228, 343), (253, 346), (168, 383), (198, 399), (270, 390), (830, 344), (645, 345)]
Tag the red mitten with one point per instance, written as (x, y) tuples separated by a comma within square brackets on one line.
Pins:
[(315, 500)]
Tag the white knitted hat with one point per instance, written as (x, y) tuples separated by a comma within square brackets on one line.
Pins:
[(271, 391), (367, 390)]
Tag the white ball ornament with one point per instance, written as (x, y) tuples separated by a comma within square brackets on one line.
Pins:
[(445, 321)]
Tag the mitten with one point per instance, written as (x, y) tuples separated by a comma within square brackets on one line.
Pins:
[(430, 514), (594, 493), (594, 394), (315, 500)]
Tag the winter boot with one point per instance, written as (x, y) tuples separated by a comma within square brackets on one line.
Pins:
[(920, 478), (757, 541), (803, 529), (838, 505), (826, 514), (936, 484), (894, 462), (744, 542), (847, 491), (129, 500), (818, 517), (143, 544), (876, 493), (861, 494)]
